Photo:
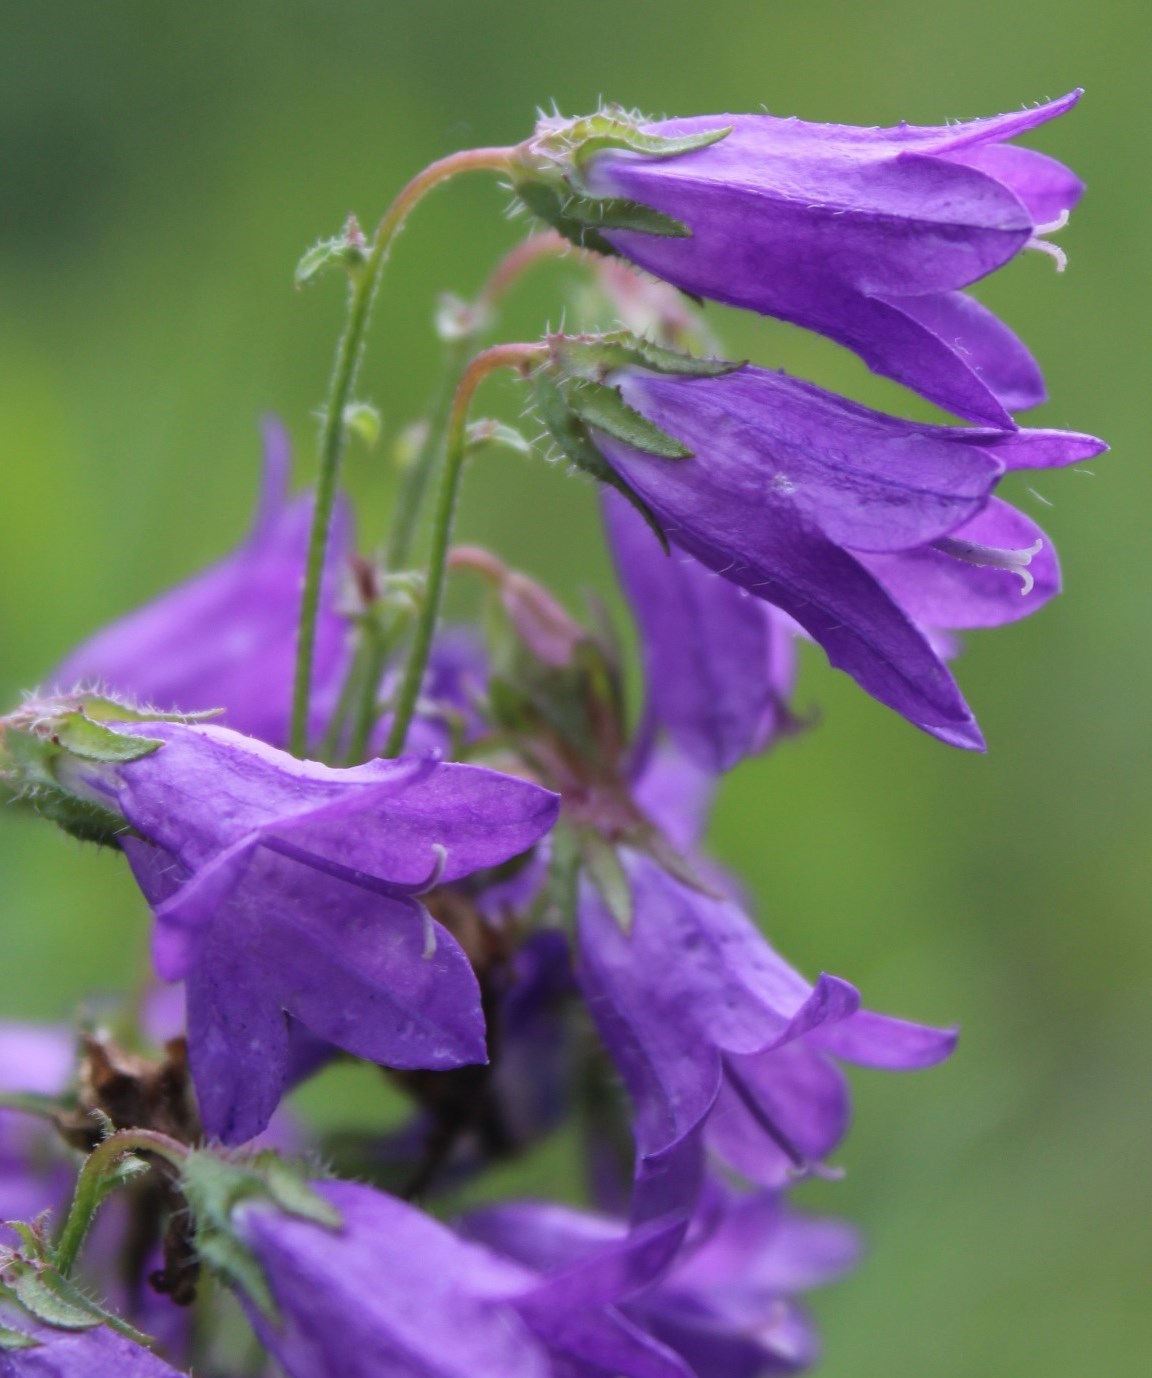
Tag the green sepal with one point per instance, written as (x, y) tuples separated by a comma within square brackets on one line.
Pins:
[(549, 176), (601, 861), (595, 357), (597, 404), (16, 1339), (100, 709), (214, 1187), (80, 735), (614, 127), (45, 1295), (582, 219), (571, 435)]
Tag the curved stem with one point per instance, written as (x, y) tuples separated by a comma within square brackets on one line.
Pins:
[(517, 356), (349, 353), (92, 1184)]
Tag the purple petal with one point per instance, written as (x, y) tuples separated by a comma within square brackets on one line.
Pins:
[(866, 480), (938, 590), (979, 342), (278, 936), (1046, 187), (997, 128), (1038, 449), (878, 1040), (718, 664)]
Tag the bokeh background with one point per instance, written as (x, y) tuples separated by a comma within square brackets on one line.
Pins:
[(162, 169)]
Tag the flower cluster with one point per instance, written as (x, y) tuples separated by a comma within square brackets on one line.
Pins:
[(451, 853)]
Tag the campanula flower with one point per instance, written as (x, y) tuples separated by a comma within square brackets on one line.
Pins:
[(869, 531), (727, 1305), (285, 887), (437, 1306), (719, 1040), (865, 235), (227, 638)]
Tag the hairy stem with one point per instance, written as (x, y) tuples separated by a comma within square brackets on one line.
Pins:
[(517, 356), (92, 1184), (349, 353)]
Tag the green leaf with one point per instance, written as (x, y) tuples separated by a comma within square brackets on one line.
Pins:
[(338, 252), (487, 433)]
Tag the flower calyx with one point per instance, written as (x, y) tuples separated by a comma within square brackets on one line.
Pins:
[(44, 741), (549, 175), (347, 250), (216, 1187), (576, 396)]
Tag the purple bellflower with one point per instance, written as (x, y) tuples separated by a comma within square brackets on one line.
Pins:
[(726, 1305), (719, 1041), (288, 887), (870, 532), (437, 1306), (719, 664), (865, 235), (227, 638)]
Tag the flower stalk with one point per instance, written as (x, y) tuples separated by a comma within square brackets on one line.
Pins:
[(517, 356), (349, 353), (97, 1177)]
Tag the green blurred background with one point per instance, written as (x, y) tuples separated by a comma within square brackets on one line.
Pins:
[(164, 165)]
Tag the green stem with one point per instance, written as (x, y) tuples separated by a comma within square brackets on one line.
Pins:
[(374, 652), (92, 1184), (518, 356), (414, 484), (349, 353)]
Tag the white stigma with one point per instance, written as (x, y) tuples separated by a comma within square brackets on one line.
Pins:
[(992, 557), (1054, 251)]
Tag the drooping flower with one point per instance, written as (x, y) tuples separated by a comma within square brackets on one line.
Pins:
[(285, 887), (227, 638), (727, 1304), (867, 530), (865, 235), (388, 1289), (718, 663), (719, 1041)]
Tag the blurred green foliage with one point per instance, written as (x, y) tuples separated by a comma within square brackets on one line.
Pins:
[(164, 166)]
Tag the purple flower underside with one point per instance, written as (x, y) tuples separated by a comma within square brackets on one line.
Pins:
[(288, 887), (440, 1306), (837, 514), (864, 235), (720, 1042)]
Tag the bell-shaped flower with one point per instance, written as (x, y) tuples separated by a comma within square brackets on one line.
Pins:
[(384, 1288), (865, 235), (869, 531), (226, 639), (720, 1042), (285, 887), (727, 1304)]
